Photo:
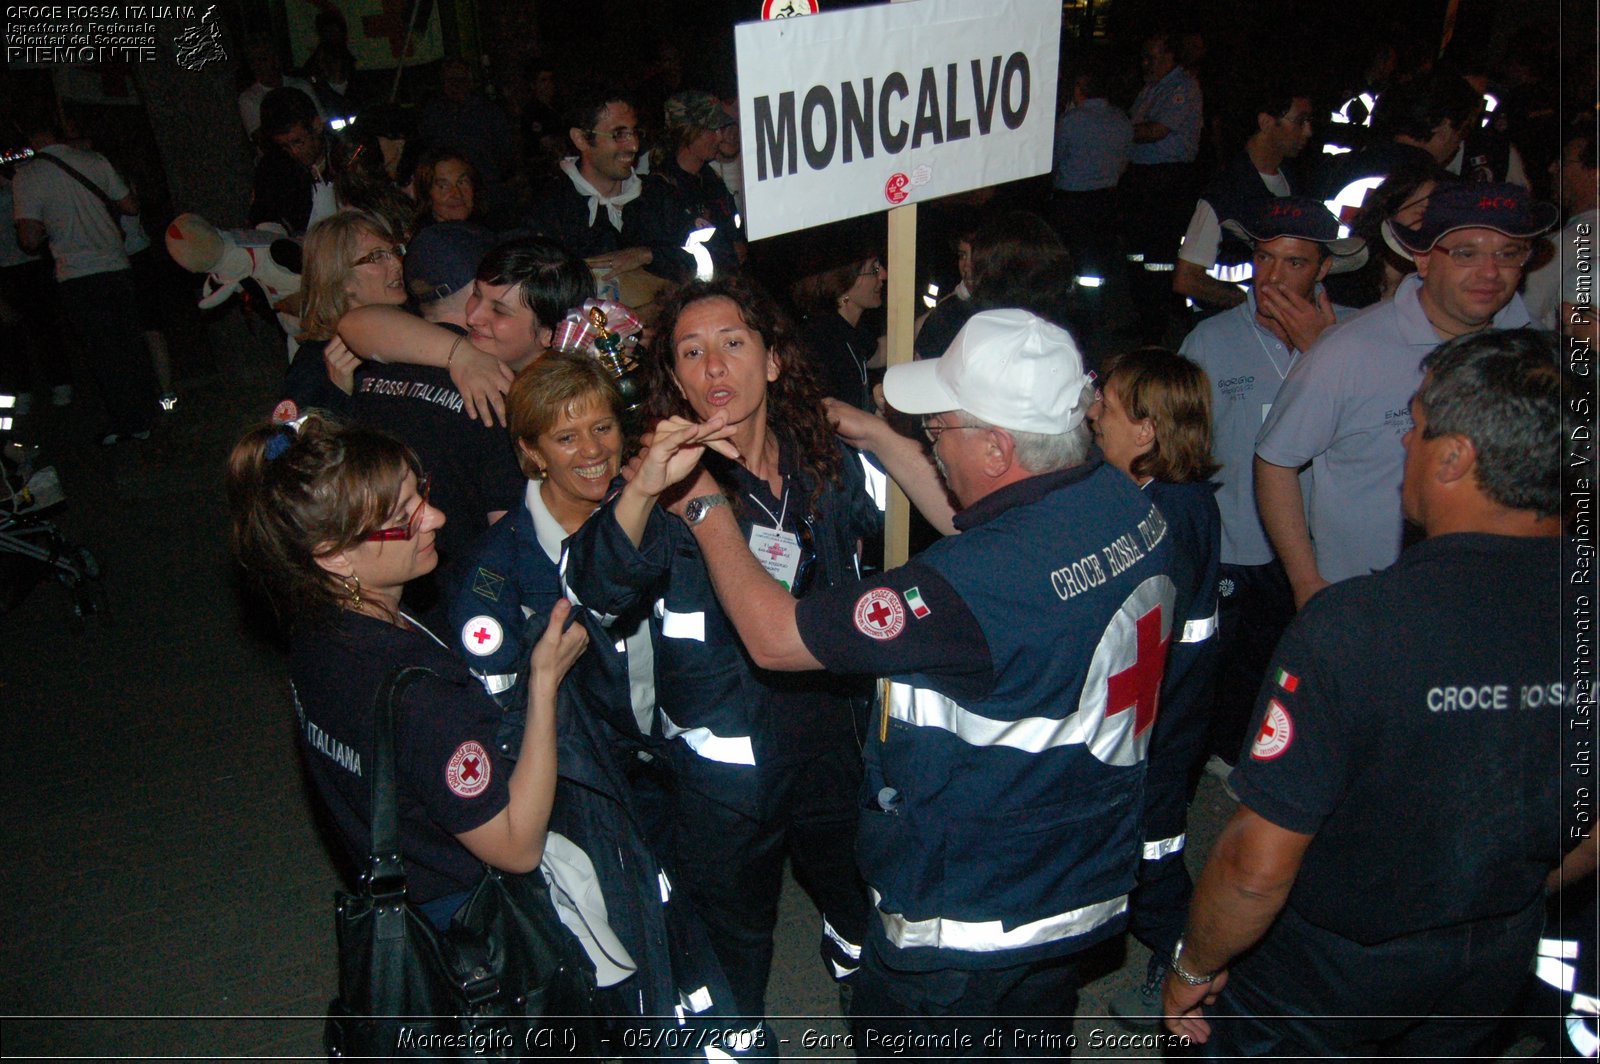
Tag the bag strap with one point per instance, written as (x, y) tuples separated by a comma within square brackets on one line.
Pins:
[(386, 873), (112, 210)]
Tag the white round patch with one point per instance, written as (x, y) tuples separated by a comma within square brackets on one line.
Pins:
[(482, 635), (467, 774), (879, 614), (1276, 732)]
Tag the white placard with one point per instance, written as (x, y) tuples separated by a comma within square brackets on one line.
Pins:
[(849, 112)]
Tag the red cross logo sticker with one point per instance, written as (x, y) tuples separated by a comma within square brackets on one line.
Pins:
[(1276, 732), (1138, 687), (879, 614), (482, 635), (467, 774), (774, 551)]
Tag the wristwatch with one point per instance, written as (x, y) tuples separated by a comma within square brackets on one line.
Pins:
[(695, 510), (1178, 969)]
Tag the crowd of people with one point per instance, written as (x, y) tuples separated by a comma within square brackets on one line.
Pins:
[(1222, 462)]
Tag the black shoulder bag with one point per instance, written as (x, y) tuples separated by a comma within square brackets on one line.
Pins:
[(505, 980)]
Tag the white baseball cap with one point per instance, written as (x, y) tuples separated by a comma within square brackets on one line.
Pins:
[(1010, 368)]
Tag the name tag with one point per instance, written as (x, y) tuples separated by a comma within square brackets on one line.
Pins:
[(777, 551)]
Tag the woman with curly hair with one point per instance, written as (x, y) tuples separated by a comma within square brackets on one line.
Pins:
[(767, 763)]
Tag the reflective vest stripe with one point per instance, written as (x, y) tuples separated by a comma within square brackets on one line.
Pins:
[(1159, 848), (728, 749), (496, 682), (877, 483), (848, 948), (929, 709), (1199, 631), (990, 936)]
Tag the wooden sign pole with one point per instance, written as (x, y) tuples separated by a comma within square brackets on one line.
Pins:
[(902, 320)]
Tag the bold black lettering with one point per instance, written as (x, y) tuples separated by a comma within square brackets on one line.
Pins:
[(772, 140), (954, 128), (927, 111), (858, 118), (985, 101), (894, 142), (819, 98), (1016, 65)]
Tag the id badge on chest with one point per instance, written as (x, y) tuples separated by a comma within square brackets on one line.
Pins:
[(778, 552)]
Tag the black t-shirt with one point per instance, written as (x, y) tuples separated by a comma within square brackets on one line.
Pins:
[(841, 352), (1411, 722), (473, 466), (306, 381), (449, 774)]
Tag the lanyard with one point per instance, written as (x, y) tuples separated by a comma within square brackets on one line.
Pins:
[(783, 507)]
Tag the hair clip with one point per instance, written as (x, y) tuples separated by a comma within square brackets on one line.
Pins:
[(287, 431)]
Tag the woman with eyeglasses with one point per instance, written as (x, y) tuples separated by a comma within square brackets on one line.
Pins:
[(768, 764), (834, 299), (1152, 420), (333, 521), (352, 260)]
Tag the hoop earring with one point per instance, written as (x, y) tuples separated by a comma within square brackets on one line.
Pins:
[(352, 588)]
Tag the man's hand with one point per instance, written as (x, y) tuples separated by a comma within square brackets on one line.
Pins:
[(855, 426), (1299, 321), (1180, 1006), (615, 262), (483, 382)]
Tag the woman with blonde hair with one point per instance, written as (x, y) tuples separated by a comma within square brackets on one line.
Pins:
[(352, 259)]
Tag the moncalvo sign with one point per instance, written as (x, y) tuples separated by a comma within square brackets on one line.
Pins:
[(856, 111)]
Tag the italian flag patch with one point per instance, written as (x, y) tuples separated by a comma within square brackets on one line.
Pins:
[(919, 609), (1286, 680)]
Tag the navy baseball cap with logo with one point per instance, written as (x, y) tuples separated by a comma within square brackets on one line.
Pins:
[(442, 258), (1509, 210), (1302, 218)]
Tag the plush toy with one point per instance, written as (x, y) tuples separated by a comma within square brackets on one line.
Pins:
[(229, 256)]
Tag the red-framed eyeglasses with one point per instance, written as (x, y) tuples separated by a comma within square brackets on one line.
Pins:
[(408, 530)]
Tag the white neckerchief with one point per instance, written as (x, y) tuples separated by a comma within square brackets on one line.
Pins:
[(546, 529), (614, 204)]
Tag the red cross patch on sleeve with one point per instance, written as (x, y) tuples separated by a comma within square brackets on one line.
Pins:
[(467, 774), (1277, 730), (879, 614)]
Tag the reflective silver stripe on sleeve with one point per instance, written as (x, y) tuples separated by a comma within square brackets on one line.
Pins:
[(728, 749), (990, 936), (1199, 631), (877, 483), (929, 709), (1155, 851)]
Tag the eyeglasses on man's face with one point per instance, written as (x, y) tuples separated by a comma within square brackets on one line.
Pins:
[(1508, 257), (621, 133), (413, 525), (933, 430)]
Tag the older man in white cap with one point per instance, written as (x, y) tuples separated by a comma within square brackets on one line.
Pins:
[(1000, 824)]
